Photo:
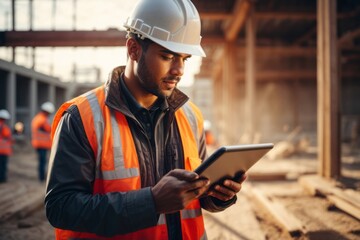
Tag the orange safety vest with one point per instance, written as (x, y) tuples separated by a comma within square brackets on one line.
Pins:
[(108, 131), (5, 140), (41, 129)]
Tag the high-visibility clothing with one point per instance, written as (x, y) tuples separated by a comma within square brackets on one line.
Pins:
[(5, 140), (40, 130), (118, 170)]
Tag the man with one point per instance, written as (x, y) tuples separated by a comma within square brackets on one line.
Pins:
[(123, 154), (40, 138), (5, 144)]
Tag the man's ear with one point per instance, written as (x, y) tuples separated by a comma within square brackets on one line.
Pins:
[(133, 49)]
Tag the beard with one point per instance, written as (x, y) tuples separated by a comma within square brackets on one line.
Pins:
[(148, 83)]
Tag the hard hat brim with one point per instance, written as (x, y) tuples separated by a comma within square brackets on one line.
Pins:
[(196, 50)]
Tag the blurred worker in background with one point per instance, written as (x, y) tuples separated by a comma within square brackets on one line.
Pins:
[(209, 137), (40, 136), (5, 144), (19, 135), (123, 154)]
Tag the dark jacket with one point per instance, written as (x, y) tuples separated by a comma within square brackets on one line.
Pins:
[(69, 201)]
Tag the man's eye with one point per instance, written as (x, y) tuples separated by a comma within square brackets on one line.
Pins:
[(167, 58)]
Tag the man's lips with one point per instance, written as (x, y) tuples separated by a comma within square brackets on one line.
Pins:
[(171, 82)]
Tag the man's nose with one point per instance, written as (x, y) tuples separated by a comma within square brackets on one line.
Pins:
[(177, 67)]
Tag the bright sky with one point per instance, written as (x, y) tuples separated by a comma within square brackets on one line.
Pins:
[(90, 15)]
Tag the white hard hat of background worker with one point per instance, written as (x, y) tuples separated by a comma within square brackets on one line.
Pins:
[(173, 24), (4, 114), (47, 107), (207, 125)]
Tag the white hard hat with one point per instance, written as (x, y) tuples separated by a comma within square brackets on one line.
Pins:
[(173, 24), (48, 107), (207, 125), (4, 114)]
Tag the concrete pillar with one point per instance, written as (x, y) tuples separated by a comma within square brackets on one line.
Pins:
[(33, 97), (52, 93), (11, 96)]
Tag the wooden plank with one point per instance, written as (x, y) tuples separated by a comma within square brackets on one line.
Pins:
[(346, 200), (286, 220), (345, 206), (317, 185)]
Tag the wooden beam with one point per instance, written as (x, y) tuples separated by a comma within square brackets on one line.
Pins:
[(240, 13), (291, 75), (286, 15), (348, 37), (306, 37), (217, 59), (328, 112), (266, 75), (282, 51), (261, 53), (250, 77), (214, 16), (228, 92)]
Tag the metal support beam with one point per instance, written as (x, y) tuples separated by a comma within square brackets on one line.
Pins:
[(108, 38)]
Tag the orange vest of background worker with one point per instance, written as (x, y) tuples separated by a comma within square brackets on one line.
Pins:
[(40, 138), (113, 178), (5, 144)]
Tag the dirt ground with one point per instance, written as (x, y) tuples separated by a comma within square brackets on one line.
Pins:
[(319, 218), (247, 219)]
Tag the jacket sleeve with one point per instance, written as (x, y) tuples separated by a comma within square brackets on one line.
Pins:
[(69, 201), (212, 204)]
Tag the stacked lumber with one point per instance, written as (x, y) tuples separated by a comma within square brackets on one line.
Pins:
[(347, 200)]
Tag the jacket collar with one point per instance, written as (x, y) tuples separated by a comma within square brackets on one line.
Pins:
[(113, 97)]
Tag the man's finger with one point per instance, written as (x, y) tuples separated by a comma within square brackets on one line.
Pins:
[(182, 174)]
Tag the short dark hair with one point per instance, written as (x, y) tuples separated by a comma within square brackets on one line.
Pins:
[(144, 42)]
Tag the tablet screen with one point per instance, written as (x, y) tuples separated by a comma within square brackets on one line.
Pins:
[(230, 161)]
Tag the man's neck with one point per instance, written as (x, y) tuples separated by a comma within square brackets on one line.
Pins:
[(144, 98)]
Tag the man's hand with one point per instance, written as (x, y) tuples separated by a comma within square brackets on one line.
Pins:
[(228, 189), (177, 189)]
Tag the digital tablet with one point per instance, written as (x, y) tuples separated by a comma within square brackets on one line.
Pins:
[(230, 162)]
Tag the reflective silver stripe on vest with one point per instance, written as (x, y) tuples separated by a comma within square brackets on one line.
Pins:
[(161, 220), (185, 214), (120, 170), (190, 213), (98, 126), (190, 115), (204, 237)]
